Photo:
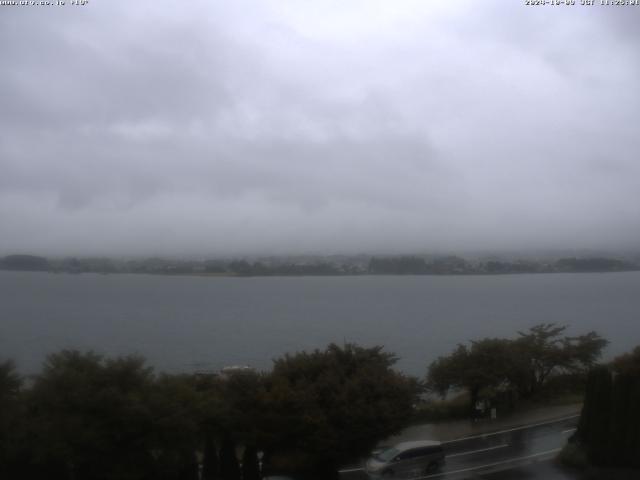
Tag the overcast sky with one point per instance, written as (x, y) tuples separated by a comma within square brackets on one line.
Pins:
[(235, 127)]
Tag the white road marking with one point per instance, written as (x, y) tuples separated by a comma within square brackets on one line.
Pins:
[(349, 470), (504, 445), (564, 432), (515, 429), (488, 465)]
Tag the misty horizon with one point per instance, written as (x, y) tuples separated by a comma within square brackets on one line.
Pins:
[(281, 128)]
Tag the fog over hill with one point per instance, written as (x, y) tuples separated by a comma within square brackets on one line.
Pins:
[(284, 127)]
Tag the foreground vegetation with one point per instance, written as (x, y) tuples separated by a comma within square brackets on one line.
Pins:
[(609, 431), (90, 417), (86, 416)]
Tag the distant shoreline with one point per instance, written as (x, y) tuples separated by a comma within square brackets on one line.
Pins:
[(311, 266), (340, 275)]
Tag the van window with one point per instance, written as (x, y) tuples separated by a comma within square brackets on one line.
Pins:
[(431, 450), (415, 453), (387, 455), (420, 452)]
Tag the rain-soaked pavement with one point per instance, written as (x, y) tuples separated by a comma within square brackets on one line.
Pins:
[(520, 447), (521, 451)]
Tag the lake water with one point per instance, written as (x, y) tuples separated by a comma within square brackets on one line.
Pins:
[(191, 323)]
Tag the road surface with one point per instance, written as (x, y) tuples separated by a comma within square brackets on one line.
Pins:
[(521, 449)]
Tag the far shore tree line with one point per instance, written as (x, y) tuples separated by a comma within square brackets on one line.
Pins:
[(318, 266), (86, 416)]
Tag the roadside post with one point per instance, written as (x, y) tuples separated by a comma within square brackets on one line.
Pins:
[(200, 459), (239, 455), (260, 455)]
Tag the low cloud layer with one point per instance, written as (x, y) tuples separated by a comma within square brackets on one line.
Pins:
[(220, 128)]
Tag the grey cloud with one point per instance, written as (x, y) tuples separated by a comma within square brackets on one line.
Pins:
[(251, 126)]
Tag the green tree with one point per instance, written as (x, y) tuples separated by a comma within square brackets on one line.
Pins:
[(628, 363), (519, 366), (333, 405), (545, 352), (608, 428), (229, 467), (97, 418), (486, 364), (210, 463), (231, 409), (88, 416), (250, 470), (173, 404), (11, 419), (595, 419)]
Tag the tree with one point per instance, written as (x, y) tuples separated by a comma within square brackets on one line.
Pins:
[(250, 469), (11, 418), (447, 372), (89, 418), (229, 467), (99, 418), (173, 404), (608, 427), (523, 365), (334, 405), (486, 364), (595, 419), (545, 352), (10, 381), (210, 462), (628, 363)]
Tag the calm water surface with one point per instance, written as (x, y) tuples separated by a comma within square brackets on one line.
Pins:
[(190, 323)]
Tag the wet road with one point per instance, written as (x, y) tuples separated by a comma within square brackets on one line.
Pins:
[(520, 448)]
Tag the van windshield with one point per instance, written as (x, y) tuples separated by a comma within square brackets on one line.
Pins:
[(387, 455)]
